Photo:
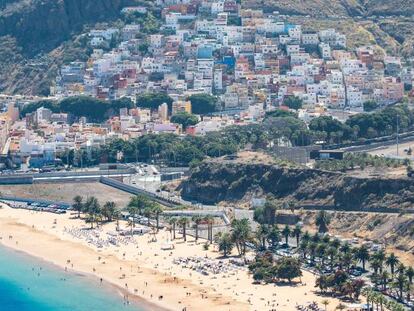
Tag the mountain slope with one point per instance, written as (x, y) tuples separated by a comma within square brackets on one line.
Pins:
[(40, 25)]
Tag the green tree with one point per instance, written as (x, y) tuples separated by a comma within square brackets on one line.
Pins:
[(225, 243), (391, 261), (322, 221), (288, 268), (241, 234), (362, 255), (286, 233), (78, 204), (157, 210), (153, 100), (85, 106), (370, 106), (185, 119), (93, 209), (297, 232), (410, 274), (183, 221), (197, 221), (274, 236), (202, 103), (108, 210), (293, 102), (173, 222)]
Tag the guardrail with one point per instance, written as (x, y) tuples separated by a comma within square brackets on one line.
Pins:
[(16, 179), (137, 191), (334, 208), (201, 213)]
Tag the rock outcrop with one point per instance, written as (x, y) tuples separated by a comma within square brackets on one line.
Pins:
[(215, 182)]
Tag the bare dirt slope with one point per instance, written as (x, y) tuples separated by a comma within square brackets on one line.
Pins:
[(66, 191)]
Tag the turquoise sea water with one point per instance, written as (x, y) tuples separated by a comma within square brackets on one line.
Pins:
[(29, 284)]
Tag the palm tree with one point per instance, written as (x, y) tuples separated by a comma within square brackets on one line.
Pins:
[(362, 255), (375, 264), (322, 221), (286, 233), (183, 221), (297, 232), (262, 234), (197, 220), (93, 209), (400, 283), (384, 279), (380, 257), (321, 251), (400, 268), (137, 204), (108, 210), (332, 252), (410, 274), (209, 220), (347, 260), (391, 261), (325, 302), (335, 243), (131, 224), (306, 236), (304, 245), (225, 243), (345, 248), (78, 204), (157, 210), (241, 234), (173, 222), (340, 307), (274, 236), (316, 238), (148, 213), (117, 216)]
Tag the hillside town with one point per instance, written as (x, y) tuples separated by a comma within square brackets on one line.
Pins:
[(251, 62)]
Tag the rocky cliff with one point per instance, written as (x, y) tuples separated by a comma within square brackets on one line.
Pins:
[(215, 182), (41, 25)]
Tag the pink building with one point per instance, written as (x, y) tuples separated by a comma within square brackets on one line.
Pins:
[(393, 89)]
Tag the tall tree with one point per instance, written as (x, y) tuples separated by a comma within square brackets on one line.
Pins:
[(362, 255), (286, 233), (322, 221), (78, 204), (197, 221), (225, 243), (183, 221), (173, 222), (297, 232), (391, 261)]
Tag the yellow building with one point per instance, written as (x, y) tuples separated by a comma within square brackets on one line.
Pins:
[(181, 106)]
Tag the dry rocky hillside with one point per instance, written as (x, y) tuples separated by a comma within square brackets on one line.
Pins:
[(235, 181)]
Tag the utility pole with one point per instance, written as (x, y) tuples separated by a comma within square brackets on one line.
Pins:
[(398, 132)]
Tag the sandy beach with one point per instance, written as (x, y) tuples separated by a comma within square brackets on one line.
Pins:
[(143, 269)]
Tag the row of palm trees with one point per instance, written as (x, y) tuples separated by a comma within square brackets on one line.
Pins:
[(196, 222), (380, 301)]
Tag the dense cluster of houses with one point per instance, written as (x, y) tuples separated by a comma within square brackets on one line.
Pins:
[(250, 60), (244, 56)]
